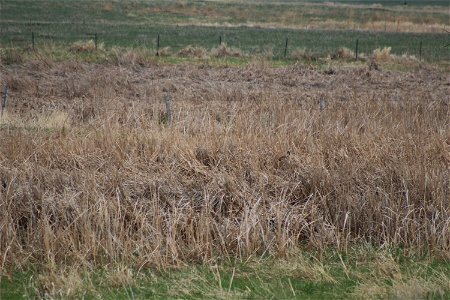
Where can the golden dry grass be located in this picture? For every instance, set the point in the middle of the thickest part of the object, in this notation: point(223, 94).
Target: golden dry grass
point(192, 51)
point(86, 46)
point(382, 55)
point(343, 53)
point(307, 15)
point(225, 51)
point(249, 164)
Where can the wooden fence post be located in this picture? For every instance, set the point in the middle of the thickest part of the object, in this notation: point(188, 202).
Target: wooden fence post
point(356, 49)
point(168, 113)
point(5, 99)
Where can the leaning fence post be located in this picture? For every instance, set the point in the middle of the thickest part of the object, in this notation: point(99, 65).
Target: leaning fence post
point(32, 40)
point(356, 49)
point(168, 114)
point(420, 51)
point(286, 47)
point(5, 98)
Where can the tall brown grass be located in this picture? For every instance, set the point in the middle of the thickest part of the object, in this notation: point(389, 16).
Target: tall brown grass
point(248, 166)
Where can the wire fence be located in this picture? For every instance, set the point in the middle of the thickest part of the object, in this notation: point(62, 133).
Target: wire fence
point(279, 43)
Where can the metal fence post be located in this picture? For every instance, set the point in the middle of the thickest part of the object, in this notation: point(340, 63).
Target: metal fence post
point(32, 41)
point(286, 47)
point(356, 49)
point(420, 51)
point(95, 40)
point(157, 45)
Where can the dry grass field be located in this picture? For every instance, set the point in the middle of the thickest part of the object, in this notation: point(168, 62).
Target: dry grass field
point(294, 164)
point(93, 172)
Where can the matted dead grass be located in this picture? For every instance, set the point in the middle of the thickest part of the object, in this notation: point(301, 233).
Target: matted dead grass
point(248, 165)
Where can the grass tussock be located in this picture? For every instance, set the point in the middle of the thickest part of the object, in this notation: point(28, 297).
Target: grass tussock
point(86, 46)
point(64, 283)
point(163, 52)
point(388, 280)
point(343, 53)
point(382, 55)
point(303, 54)
point(385, 57)
point(249, 164)
point(10, 56)
point(225, 51)
point(192, 51)
point(131, 57)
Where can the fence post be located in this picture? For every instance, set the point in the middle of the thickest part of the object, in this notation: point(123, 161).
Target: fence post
point(356, 49)
point(5, 99)
point(286, 47)
point(321, 103)
point(168, 114)
point(32, 40)
point(420, 51)
point(220, 40)
point(95, 40)
point(157, 45)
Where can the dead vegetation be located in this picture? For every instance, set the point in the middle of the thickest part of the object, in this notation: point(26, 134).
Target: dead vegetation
point(249, 165)
point(193, 51)
point(382, 55)
point(86, 46)
point(303, 54)
point(225, 51)
point(343, 53)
